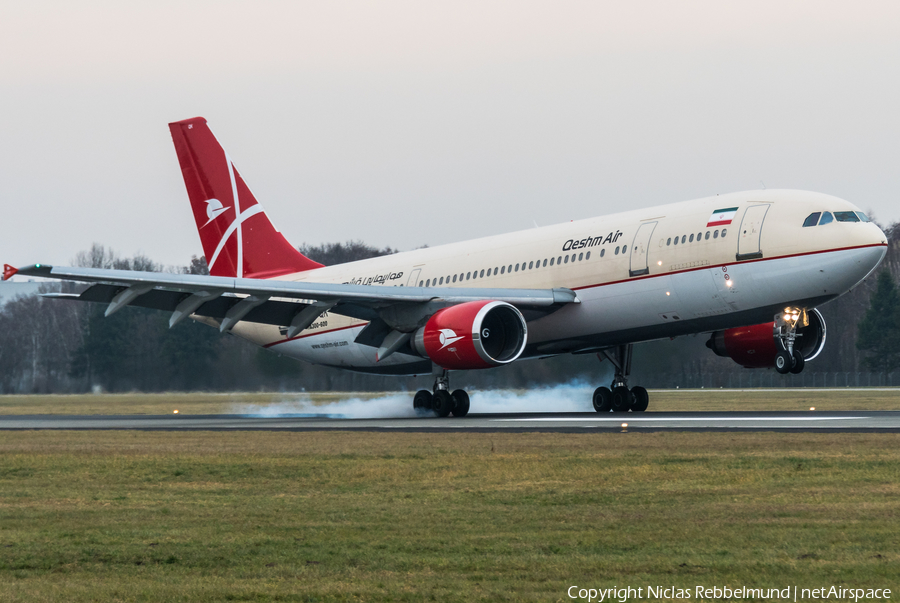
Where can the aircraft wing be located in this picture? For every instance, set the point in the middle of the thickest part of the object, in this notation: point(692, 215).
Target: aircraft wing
point(292, 304)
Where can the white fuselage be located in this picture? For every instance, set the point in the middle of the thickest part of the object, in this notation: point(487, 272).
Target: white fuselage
point(633, 281)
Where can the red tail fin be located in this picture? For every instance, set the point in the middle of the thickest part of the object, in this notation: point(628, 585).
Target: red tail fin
point(237, 236)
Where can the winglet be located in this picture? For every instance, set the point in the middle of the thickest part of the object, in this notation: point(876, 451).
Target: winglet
point(8, 272)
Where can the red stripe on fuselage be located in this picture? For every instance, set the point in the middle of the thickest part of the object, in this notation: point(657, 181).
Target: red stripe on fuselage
point(736, 262)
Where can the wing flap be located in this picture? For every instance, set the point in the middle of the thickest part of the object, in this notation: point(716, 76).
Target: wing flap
point(281, 302)
point(273, 312)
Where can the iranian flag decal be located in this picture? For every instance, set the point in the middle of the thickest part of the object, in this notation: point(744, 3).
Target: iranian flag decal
point(722, 217)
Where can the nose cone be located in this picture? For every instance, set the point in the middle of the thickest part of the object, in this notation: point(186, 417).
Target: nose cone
point(876, 237)
point(869, 241)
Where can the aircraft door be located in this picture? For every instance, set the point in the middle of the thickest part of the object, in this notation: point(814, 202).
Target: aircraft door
point(639, 249)
point(750, 231)
point(413, 280)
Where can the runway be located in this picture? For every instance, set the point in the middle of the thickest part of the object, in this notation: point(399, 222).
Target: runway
point(811, 421)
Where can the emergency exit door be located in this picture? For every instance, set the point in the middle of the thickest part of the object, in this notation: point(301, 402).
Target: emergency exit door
point(413, 278)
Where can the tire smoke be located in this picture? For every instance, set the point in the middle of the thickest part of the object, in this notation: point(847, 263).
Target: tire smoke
point(574, 396)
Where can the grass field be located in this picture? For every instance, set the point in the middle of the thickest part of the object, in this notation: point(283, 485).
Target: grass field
point(661, 401)
point(274, 516)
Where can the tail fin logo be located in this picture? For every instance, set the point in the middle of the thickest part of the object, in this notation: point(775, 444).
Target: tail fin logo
point(214, 209)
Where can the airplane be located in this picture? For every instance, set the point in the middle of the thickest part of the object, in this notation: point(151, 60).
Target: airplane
point(748, 268)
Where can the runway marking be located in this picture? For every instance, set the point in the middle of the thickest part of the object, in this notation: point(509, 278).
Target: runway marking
point(769, 390)
point(630, 419)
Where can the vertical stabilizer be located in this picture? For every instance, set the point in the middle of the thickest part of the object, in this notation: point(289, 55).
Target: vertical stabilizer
point(238, 238)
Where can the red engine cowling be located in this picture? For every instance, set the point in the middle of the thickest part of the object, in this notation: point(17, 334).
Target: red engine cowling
point(473, 335)
point(755, 346)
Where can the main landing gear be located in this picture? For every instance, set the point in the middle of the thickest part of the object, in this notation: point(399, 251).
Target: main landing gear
point(789, 359)
point(441, 401)
point(618, 397)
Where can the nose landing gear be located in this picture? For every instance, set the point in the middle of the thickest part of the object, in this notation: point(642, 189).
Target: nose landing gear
point(441, 401)
point(618, 397)
point(789, 359)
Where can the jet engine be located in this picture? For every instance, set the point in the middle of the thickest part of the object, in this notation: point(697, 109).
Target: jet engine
point(473, 335)
point(756, 346)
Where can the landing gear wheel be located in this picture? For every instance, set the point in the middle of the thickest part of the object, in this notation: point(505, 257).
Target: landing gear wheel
point(799, 362)
point(640, 399)
point(602, 399)
point(783, 362)
point(422, 400)
point(442, 403)
point(621, 399)
point(460, 403)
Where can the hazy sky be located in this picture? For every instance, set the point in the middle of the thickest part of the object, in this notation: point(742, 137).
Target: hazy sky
point(406, 123)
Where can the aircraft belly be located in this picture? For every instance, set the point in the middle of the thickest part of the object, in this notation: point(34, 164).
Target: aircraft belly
point(337, 348)
point(757, 284)
point(332, 345)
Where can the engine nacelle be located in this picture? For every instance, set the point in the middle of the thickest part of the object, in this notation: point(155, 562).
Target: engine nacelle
point(473, 335)
point(755, 346)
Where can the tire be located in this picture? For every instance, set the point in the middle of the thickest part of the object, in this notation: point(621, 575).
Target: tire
point(799, 362)
point(783, 362)
point(640, 399)
point(460, 403)
point(602, 399)
point(422, 400)
point(442, 403)
point(621, 399)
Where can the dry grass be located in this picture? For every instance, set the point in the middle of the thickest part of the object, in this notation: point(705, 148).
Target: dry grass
point(661, 401)
point(249, 516)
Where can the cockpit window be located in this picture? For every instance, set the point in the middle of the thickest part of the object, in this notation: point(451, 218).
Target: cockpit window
point(846, 216)
point(863, 217)
point(827, 218)
point(812, 219)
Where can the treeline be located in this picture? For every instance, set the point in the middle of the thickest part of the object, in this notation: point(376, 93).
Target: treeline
point(53, 346)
